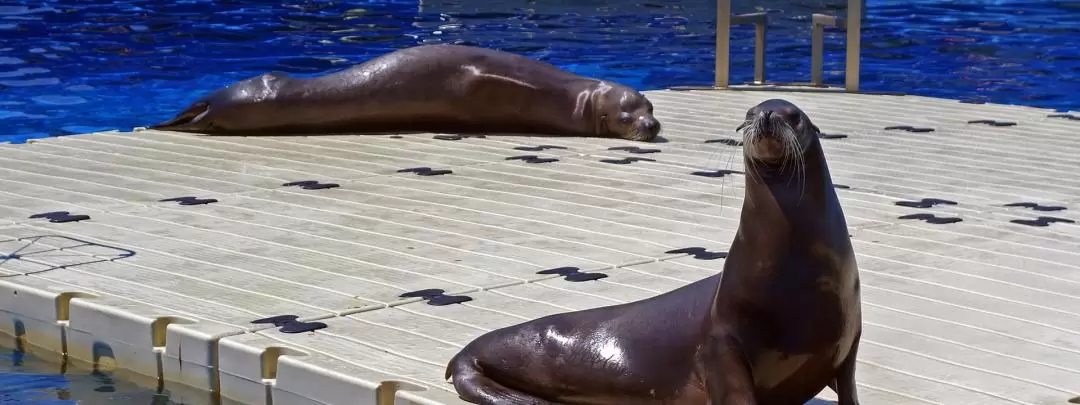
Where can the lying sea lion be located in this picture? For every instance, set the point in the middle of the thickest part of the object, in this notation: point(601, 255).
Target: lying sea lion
point(429, 88)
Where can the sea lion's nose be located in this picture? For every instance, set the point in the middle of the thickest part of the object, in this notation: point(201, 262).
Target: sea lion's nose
point(651, 124)
point(765, 124)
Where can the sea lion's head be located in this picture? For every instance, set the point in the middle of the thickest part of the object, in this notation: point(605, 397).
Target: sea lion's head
point(776, 132)
point(233, 108)
point(622, 112)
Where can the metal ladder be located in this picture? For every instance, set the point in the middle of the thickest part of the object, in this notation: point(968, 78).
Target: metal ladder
point(853, 25)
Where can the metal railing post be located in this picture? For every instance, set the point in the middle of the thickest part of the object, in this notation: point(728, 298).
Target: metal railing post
point(817, 45)
point(761, 30)
point(724, 21)
point(853, 25)
point(723, 42)
point(854, 44)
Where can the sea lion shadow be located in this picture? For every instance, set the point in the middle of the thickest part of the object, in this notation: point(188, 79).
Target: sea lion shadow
point(657, 139)
point(314, 134)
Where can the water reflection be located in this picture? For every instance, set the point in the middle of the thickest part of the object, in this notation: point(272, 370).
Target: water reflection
point(29, 380)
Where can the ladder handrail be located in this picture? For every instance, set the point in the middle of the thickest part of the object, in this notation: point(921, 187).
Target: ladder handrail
point(853, 24)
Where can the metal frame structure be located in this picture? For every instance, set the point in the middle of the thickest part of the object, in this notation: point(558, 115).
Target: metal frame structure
point(856, 10)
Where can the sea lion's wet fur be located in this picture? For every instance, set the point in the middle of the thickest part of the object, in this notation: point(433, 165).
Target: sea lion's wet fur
point(787, 316)
point(642, 352)
point(781, 322)
point(428, 88)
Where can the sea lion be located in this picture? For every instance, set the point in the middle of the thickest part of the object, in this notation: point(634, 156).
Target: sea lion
point(777, 325)
point(428, 88)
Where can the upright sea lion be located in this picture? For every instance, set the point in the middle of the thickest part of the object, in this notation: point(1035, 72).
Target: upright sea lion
point(432, 88)
point(781, 322)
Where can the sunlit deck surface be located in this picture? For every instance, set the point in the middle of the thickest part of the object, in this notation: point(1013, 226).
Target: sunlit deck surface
point(967, 248)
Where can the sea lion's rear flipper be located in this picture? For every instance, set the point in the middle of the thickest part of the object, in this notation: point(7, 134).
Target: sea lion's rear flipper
point(473, 386)
point(188, 120)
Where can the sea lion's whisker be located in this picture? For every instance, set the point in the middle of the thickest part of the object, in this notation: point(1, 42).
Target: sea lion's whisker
point(790, 142)
point(749, 146)
point(723, 180)
point(800, 166)
point(719, 155)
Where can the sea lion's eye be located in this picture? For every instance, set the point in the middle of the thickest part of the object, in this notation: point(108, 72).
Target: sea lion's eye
point(794, 121)
point(624, 117)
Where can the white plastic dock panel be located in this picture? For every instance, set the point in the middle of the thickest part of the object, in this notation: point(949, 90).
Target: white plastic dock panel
point(30, 315)
point(263, 368)
point(965, 233)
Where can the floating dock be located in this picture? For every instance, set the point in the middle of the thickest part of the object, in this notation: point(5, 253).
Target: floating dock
point(154, 252)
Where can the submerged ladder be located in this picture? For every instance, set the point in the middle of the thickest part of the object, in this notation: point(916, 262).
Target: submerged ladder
point(856, 11)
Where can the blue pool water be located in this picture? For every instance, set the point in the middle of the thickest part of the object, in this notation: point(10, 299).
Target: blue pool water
point(71, 66)
point(27, 380)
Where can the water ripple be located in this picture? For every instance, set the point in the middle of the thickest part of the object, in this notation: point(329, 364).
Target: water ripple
point(30, 82)
point(22, 72)
point(58, 100)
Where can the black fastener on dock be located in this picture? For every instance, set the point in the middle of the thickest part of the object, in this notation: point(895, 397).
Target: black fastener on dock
point(290, 324)
point(932, 219)
point(993, 123)
point(538, 148)
point(718, 173)
point(699, 253)
point(61, 216)
point(627, 160)
point(634, 149)
point(574, 274)
point(1036, 206)
point(1042, 221)
point(425, 171)
point(909, 128)
point(532, 159)
point(190, 200)
point(437, 297)
point(924, 203)
point(311, 185)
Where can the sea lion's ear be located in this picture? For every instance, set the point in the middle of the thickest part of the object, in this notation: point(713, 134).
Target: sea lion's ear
point(741, 126)
point(815, 128)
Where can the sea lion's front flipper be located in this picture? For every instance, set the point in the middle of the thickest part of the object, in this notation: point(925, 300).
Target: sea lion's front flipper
point(474, 386)
point(188, 120)
point(728, 378)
